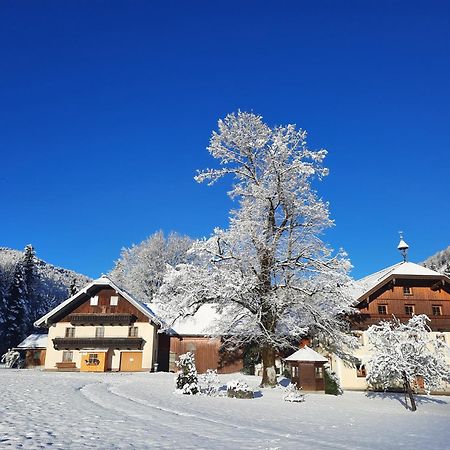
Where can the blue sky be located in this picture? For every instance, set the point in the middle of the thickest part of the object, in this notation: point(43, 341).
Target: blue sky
point(106, 109)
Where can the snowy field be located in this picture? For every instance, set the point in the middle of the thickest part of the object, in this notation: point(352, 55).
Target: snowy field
point(139, 410)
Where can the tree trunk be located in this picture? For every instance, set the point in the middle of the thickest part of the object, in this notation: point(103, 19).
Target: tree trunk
point(408, 391)
point(269, 378)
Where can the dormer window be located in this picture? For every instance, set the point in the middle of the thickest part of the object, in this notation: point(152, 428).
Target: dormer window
point(94, 300)
point(407, 290)
point(114, 301)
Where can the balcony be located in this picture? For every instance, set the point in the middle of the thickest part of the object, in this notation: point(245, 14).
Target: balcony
point(102, 319)
point(116, 343)
point(363, 321)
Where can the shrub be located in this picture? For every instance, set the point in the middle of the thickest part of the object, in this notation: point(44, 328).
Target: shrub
point(186, 378)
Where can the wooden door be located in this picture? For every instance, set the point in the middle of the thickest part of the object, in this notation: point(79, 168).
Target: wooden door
point(130, 361)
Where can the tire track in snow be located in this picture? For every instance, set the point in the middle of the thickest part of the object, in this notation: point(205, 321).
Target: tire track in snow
point(272, 437)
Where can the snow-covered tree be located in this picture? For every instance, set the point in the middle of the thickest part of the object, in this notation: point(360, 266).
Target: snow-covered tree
point(269, 275)
point(141, 268)
point(405, 354)
point(186, 378)
point(14, 311)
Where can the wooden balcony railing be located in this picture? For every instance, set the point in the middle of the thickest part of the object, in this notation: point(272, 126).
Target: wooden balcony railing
point(119, 343)
point(102, 319)
point(363, 321)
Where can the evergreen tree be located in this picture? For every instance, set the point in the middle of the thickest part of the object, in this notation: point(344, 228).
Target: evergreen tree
point(73, 289)
point(187, 379)
point(32, 298)
point(14, 311)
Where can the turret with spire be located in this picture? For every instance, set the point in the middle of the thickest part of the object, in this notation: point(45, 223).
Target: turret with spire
point(403, 247)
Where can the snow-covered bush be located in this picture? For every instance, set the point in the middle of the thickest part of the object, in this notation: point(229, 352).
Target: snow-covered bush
point(210, 380)
point(186, 378)
point(293, 394)
point(238, 389)
point(332, 383)
point(11, 359)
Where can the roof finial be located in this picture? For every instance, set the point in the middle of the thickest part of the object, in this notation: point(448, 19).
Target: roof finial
point(403, 247)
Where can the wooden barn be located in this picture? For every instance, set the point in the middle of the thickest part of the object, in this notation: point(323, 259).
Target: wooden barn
point(307, 369)
point(192, 335)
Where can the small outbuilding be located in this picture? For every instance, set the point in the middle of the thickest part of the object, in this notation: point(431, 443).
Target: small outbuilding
point(307, 371)
point(33, 349)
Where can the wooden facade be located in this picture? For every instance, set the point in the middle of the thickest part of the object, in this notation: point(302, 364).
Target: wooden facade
point(104, 308)
point(208, 354)
point(35, 357)
point(403, 298)
point(307, 375)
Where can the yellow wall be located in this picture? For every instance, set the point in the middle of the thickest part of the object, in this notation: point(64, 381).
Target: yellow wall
point(146, 330)
point(348, 375)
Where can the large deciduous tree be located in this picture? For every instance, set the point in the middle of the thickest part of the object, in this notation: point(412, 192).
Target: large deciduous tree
point(141, 268)
point(269, 275)
point(404, 353)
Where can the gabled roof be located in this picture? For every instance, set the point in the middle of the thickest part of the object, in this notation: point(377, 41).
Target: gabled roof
point(200, 324)
point(34, 341)
point(406, 270)
point(306, 354)
point(103, 281)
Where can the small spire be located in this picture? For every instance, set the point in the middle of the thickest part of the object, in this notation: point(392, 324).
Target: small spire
point(403, 247)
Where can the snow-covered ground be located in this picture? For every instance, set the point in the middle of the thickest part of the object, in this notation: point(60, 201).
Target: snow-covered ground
point(139, 410)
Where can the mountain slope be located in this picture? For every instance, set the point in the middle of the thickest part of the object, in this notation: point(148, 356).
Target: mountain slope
point(440, 261)
point(29, 288)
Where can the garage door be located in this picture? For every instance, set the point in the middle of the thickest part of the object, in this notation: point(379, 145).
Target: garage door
point(130, 361)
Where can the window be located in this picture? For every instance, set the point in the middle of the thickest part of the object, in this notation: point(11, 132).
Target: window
point(409, 310)
point(407, 290)
point(70, 332)
point(132, 331)
point(93, 359)
point(437, 310)
point(360, 370)
point(382, 309)
point(100, 332)
point(319, 372)
point(37, 355)
point(114, 300)
point(67, 356)
point(94, 300)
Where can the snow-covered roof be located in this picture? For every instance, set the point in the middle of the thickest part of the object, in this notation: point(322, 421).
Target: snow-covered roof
point(34, 341)
point(306, 354)
point(363, 286)
point(102, 281)
point(200, 324)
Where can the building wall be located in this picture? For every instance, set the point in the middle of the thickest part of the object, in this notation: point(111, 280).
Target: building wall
point(348, 375)
point(208, 354)
point(146, 330)
point(424, 295)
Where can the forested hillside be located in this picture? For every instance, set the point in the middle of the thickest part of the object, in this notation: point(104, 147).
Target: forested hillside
point(29, 287)
point(440, 261)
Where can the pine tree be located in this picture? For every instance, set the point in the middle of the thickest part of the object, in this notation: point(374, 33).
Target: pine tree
point(73, 289)
point(14, 311)
point(187, 379)
point(32, 298)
